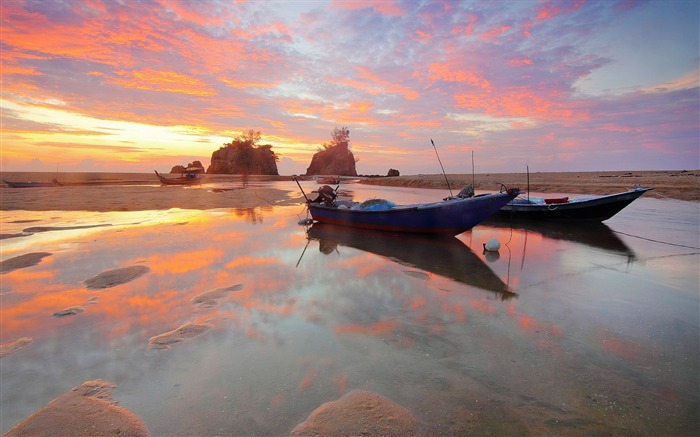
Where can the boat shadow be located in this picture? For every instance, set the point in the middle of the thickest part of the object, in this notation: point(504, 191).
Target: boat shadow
point(593, 234)
point(442, 255)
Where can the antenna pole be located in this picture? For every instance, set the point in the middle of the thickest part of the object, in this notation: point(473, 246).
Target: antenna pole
point(443, 168)
point(473, 184)
point(528, 182)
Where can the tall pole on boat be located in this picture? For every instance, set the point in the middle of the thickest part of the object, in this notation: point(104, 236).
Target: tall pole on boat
point(443, 168)
point(528, 183)
point(473, 186)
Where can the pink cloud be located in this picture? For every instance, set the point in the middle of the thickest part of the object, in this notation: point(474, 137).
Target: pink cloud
point(387, 7)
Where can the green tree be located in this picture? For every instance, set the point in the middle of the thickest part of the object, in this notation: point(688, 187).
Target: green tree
point(340, 135)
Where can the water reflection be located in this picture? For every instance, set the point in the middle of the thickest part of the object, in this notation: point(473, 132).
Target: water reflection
point(595, 234)
point(593, 343)
point(444, 256)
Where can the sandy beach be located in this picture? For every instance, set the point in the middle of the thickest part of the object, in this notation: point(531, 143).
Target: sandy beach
point(136, 192)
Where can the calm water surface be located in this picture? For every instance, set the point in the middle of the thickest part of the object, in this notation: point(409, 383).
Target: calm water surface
point(564, 331)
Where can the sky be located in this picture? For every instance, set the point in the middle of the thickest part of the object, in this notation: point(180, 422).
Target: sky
point(137, 86)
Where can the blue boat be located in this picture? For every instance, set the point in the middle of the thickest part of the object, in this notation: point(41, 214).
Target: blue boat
point(453, 215)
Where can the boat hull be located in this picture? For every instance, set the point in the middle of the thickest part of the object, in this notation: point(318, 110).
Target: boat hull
point(593, 209)
point(452, 216)
point(31, 184)
point(184, 180)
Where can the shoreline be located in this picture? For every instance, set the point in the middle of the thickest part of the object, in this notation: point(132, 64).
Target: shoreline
point(103, 192)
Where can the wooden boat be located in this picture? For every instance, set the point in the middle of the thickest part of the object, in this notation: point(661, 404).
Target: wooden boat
point(448, 257)
point(188, 177)
point(450, 216)
point(52, 183)
point(598, 208)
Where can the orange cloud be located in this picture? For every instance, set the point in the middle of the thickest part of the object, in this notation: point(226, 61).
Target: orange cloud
point(440, 71)
point(153, 80)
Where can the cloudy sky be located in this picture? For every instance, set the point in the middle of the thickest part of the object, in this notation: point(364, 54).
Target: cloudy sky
point(132, 86)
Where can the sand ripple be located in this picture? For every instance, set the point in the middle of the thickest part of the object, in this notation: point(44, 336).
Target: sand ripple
point(85, 410)
point(358, 413)
point(112, 278)
point(22, 261)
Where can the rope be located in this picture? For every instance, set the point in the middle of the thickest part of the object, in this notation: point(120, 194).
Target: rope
point(657, 241)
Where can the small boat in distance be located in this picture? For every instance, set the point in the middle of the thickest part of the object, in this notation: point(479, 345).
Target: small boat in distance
point(190, 176)
point(598, 208)
point(52, 183)
point(453, 215)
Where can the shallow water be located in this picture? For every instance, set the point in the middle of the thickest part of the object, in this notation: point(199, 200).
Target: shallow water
point(564, 331)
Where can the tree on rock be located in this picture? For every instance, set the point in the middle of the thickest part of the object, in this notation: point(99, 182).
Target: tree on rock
point(243, 155)
point(334, 158)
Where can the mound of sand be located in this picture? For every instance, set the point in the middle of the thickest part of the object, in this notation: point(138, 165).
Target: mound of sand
point(85, 410)
point(112, 278)
point(188, 330)
point(13, 346)
point(22, 261)
point(358, 413)
point(211, 298)
point(69, 311)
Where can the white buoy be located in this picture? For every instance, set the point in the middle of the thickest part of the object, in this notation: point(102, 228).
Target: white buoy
point(492, 245)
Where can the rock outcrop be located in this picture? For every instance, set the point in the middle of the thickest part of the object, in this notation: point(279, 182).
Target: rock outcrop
point(336, 160)
point(241, 158)
point(393, 173)
point(189, 167)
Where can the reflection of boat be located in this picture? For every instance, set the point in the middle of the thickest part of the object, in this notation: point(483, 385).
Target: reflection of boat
point(447, 256)
point(189, 177)
point(451, 216)
point(597, 235)
point(597, 208)
point(53, 183)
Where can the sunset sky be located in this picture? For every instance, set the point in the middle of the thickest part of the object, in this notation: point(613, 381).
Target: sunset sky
point(133, 86)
